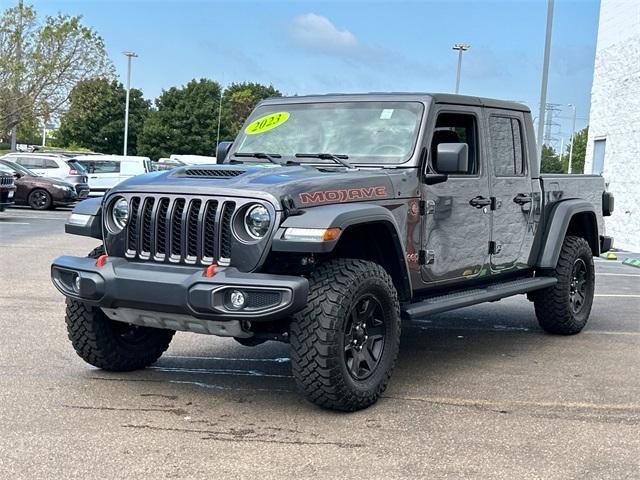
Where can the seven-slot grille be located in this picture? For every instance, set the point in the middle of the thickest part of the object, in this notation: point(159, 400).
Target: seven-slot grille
point(179, 230)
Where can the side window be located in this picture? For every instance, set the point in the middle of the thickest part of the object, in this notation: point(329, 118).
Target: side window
point(105, 166)
point(50, 164)
point(506, 146)
point(30, 162)
point(456, 128)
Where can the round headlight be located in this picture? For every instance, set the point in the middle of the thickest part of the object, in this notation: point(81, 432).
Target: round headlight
point(120, 213)
point(257, 221)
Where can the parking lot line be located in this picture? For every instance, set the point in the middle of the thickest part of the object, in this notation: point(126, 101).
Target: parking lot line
point(630, 295)
point(619, 274)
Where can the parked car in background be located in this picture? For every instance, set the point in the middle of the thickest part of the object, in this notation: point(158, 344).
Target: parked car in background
point(192, 159)
point(42, 193)
point(7, 190)
point(162, 166)
point(106, 171)
point(51, 166)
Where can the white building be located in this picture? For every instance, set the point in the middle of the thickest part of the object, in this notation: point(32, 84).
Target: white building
point(613, 147)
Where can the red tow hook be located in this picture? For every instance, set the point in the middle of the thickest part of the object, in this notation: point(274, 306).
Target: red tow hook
point(210, 271)
point(102, 259)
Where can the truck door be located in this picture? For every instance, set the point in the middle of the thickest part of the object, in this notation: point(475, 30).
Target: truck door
point(456, 221)
point(512, 229)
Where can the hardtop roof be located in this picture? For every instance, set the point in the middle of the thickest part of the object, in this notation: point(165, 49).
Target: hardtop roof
point(445, 98)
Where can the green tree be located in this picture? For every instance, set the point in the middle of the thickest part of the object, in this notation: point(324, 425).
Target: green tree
point(40, 62)
point(579, 151)
point(238, 101)
point(95, 118)
point(185, 121)
point(550, 161)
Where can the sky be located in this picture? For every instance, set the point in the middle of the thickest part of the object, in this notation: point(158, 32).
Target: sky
point(304, 47)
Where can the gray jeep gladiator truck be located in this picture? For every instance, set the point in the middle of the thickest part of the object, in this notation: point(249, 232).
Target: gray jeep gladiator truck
point(328, 221)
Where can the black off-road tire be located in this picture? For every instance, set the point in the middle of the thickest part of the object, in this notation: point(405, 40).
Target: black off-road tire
point(318, 334)
point(556, 311)
point(111, 345)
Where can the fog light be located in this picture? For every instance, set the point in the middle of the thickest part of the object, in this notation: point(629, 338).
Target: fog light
point(77, 283)
point(237, 299)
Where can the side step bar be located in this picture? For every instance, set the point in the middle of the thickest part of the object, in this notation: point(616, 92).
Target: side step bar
point(473, 296)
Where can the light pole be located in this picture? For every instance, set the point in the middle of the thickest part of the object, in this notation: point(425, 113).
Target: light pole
point(461, 47)
point(573, 136)
point(545, 77)
point(129, 56)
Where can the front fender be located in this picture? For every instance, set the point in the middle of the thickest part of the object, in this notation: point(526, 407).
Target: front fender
point(86, 219)
point(556, 229)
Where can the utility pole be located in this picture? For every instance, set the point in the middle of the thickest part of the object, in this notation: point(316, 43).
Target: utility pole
point(129, 56)
point(573, 136)
point(545, 76)
point(16, 80)
point(550, 129)
point(461, 47)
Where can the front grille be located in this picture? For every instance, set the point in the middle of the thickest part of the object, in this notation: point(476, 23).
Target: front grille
point(179, 230)
point(6, 180)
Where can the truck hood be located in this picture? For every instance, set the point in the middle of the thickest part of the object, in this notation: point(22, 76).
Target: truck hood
point(303, 185)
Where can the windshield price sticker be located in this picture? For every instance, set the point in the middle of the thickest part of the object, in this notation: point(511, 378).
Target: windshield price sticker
point(266, 123)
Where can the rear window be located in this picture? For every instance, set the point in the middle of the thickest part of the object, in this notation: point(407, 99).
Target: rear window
point(100, 166)
point(77, 166)
point(506, 146)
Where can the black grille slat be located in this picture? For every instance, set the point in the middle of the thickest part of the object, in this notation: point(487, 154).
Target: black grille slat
point(176, 228)
point(161, 228)
point(192, 230)
point(132, 229)
point(225, 233)
point(147, 228)
point(209, 244)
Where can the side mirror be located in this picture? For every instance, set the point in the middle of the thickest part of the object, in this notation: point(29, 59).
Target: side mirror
point(222, 151)
point(452, 158)
point(17, 175)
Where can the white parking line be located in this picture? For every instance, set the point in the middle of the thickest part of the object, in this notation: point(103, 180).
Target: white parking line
point(616, 295)
point(619, 274)
point(14, 223)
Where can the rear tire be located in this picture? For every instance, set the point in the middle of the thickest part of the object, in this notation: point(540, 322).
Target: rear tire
point(111, 345)
point(345, 342)
point(564, 308)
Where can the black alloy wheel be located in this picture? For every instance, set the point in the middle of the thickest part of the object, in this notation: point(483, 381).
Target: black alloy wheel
point(364, 337)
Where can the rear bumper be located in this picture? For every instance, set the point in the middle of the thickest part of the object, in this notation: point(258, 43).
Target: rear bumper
point(178, 290)
point(606, 243)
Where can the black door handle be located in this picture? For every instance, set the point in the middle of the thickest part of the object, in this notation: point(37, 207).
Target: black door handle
point(522, 198)
point(480, 202)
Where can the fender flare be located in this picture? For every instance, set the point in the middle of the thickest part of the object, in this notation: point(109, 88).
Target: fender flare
point(342, 216)
point(91, 208)
point(556, 228)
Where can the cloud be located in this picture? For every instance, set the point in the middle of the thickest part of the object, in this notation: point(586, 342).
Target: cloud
point(318, 34)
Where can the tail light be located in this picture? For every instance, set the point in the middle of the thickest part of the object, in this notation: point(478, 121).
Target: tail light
point(74, 172)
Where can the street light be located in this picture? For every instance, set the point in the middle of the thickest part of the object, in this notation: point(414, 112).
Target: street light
point(461, 47)
point(573, 136)
point(545, 76)
point(129, 56)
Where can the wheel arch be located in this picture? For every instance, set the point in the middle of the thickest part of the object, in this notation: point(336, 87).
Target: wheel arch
point(368, 232)
point(569, 217)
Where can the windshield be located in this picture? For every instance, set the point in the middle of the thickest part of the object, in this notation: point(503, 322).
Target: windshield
point(367, 132)
point(8, 166)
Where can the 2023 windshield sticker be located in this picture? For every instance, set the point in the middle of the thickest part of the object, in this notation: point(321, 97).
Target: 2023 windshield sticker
point(266, 123)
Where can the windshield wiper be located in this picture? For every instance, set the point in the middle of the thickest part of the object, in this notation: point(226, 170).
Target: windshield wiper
point(267, 156)
point(341, 159)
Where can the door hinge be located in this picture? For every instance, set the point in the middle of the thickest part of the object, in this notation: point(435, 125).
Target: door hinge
point(494, 203)
point(494, 247)
point(422, 207)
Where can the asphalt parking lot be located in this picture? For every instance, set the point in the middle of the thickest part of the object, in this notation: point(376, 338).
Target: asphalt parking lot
point(477, 393)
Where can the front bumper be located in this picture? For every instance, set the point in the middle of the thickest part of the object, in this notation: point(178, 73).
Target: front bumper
point(7, 197)
point(178, 290)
